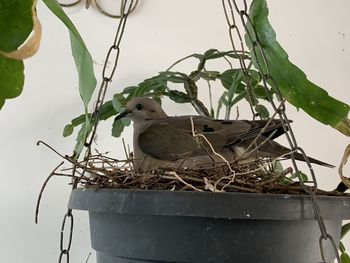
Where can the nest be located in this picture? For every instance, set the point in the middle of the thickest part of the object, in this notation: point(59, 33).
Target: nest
point(101, 171)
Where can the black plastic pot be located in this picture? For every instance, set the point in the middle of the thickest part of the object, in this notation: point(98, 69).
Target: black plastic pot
point(165, 226)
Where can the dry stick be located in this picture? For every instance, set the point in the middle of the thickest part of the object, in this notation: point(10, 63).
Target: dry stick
point(211, 146)
point(173, 173)
point(263, 129)
point(190, 178)
point(261, 167)
point(61, 155)
point(88, 257)
point(42, 190)
point(127, 154)
point(275, 178)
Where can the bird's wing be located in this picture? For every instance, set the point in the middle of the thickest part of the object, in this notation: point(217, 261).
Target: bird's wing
point(172, 138)
point(266, 128)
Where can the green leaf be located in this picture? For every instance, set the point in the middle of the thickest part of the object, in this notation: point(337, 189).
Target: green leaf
point(209, 53)
point(178, 96)
point(209, 75)
point(301, 176)
point(82, 57)
point(176, 79)
point(78, 120)
point(157, 84)
point(344, 230)
point(239, 97)
point(107, 110)
point(230, 77)
point(341, 247)
point(82, 135)
point(118, 126)
point(277, 167)
point(16, 23)
point(262, 111)
point(344, 258)
point(11, 78)
point(255, 77)
point(130, 89)
point(292, 81)
point(118, 102)
point(260, 92)
point(68, 130)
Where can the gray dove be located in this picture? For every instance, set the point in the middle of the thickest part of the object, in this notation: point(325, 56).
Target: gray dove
point(160, 140)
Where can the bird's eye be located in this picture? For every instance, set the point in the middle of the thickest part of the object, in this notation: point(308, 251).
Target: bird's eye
point(139, 107)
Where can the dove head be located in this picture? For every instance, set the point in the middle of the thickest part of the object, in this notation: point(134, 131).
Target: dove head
point(142, 109)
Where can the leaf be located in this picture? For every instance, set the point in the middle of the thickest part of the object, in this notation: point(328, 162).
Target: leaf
point(229, 77)
point(30, 45)
point(118, 126)
point(16, 23)
point(343, 162)
point(107, 110)
point(68, 130)
point(157, 84)
point(292, 81)
point(344, 230)
point(130, 89)
point(344, 258)
point(82, 135)
point(218, 54)
point(262, 111)
point(255, 77)
point(176, 79)
point(178, 96)
point(11, 78)
point(260, 92)
point(82, 57)
point(278, 167)
point(209, 75)
point(341, 247)
point(209, 53)
point(301, 176)
point(118, 102)
point(239, 97)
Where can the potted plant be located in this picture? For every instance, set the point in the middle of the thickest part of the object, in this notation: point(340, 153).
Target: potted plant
point(197, 224)
point(148, 225)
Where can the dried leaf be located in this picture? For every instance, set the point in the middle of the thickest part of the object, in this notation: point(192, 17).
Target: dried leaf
point(344, 160)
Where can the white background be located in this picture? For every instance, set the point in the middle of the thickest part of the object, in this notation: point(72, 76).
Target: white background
point(316, 35)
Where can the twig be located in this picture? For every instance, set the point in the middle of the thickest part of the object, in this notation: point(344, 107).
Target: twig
point(88, 257)
point(194, 134)
point(51, 148)
point(173, 173)
point(42, 190)
point(263, 129)
point(275, 178)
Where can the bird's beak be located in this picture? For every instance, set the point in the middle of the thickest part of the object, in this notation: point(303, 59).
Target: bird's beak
point(121, 115)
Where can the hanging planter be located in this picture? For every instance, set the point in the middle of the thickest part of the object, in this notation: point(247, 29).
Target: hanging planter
point(183, 226)
point(171, 226)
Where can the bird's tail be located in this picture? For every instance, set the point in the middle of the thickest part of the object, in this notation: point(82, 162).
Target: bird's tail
point(300, 157)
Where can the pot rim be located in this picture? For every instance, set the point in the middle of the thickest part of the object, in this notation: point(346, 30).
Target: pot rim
point(232, 205)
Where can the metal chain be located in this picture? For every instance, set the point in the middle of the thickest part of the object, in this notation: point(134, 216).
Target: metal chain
point(107, 75)
point(231, 9)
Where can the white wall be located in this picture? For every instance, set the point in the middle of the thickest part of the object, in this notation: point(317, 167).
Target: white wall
point(315, 33)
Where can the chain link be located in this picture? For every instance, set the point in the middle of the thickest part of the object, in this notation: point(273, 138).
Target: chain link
point(114, 50)
point(231, 9)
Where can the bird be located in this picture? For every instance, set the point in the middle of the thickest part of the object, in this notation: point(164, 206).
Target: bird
point(160, 140)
